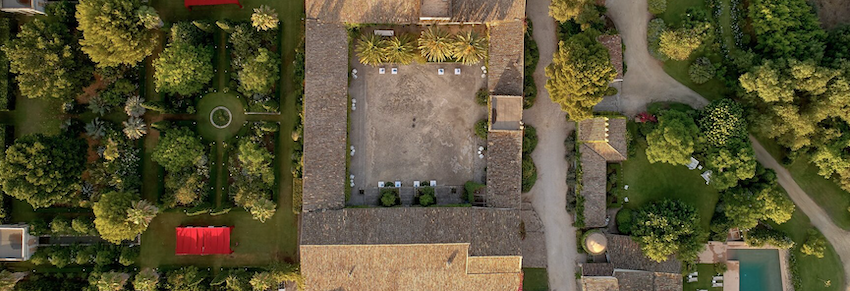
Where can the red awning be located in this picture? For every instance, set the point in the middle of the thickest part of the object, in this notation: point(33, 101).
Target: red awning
point(203, 240)
point(189, 3)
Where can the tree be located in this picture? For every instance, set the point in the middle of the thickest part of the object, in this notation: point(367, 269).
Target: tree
point(256, 161)
point(47, 61)
point(701, 70)
point(112, 281)
point(43, 170)
point(469, 48)
point(264, 18)
point(146, 280)
point(83, 225)
point(786, 29)
point(745, 207)
point(566, 10)
point(667, 227)
point(188, 33)
point(680, 43)
point(653, 38)
point(134, 128)
point(186, 279)
point(815, 244)
point(149, 18)
point(399, 50)
point(112, 32)
point(674, 140)
point(183, 69)
point(177, 149)
point(435, 45)
point(260, 72)
point(761, 236)
point(371, 50)
point(141, 213)
point(110, 214)
point(134, 107)
point(263, 209)
point(722, 121)
point(579, 75)
point(731, 164)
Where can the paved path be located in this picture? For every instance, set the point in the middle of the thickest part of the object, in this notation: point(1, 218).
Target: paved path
point(549, 195)
point(645, 80)
point(839, 238)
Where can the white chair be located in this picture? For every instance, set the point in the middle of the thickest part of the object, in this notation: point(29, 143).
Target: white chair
point(441, 71)
point(382, 71)
point(380, 184)
point(415, 184)
point(394, 71)
point(398, 184)
point(457, 71)
point(433, 183)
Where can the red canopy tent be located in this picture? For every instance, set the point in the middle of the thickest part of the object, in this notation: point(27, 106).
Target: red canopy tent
point(189, 3)
point(203, 240)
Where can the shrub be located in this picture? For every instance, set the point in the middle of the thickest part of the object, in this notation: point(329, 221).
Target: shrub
point(529, 173)
point(85, 255)
point(128, 255)
point(815, 244)
point(469, 188)
point(60, 257)
point(481, 129)
point(529, 139)
point(701, 70)
point(427, 196)
point(720, 268)
point(61, 225)
point(653, 38)
point(482, 97)
point(761, 236)
point(297, 192)
point(105, 256)
point(624, 221)
point(40, 256)
point(389, 197)
point(657, 6)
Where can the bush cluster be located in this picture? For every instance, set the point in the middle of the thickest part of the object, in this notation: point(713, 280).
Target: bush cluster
point(532, 57)
point(657, 6)
point(426, 196)
point(256, 65)
point(761, 236)
point(701, 70)
point(252, 171)
point(390, 197)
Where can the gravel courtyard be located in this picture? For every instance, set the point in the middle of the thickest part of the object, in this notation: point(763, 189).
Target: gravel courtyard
point(416, 125)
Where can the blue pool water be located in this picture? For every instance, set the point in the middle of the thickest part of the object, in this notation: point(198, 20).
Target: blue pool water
point(759, 269)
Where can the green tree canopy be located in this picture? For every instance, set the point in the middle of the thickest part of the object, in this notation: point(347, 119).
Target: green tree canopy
point(745, 207)
point(579, 75)
point(113, 33)
point(110, 214)
point(674, 140)
point(787, 29)
point(668, 227)
point(177, 149)
point(187, 279)
point(47, 61)
point(815, 244)
point(722, 121)
point(183, 68)
point(731, 164)
point(43, 170)
point(260, 73)
point(264, 18)
point(256, 161)
point(146, 280)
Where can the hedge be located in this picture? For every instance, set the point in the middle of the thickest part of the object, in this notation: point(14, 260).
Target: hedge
point(297, 193)
point(4, 65)
point(761, 236)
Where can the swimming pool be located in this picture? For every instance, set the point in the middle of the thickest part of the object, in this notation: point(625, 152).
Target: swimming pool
point(759, 269)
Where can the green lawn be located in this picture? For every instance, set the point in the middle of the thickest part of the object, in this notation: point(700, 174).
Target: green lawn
point(706, 272)
point(811, 269)
point(652, 182)
point(535, 279)
point(715, 88)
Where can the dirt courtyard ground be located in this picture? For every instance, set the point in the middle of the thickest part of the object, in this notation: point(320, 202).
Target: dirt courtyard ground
point(416, 125)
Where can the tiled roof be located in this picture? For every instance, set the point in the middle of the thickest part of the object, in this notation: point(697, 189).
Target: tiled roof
point(325, 108)
point(406, 267)
point(506, 58)
point(648, 281)
point(597, 269)
point(615, 50)
point(504, 169)
point(594, 181)
point(624, 253)
point(534, 243)
point(490, 232)
point(488, 10)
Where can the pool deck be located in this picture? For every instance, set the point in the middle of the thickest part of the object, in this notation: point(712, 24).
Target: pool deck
point(716, 252)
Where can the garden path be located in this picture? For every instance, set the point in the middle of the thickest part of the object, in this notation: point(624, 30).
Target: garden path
point(548, 196)
point(645, 80)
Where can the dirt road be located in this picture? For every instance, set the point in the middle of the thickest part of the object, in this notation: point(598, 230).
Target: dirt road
point(549, 193)
point(839, 238)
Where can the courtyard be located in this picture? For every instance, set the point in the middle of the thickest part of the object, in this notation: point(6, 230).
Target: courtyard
point(415, 125)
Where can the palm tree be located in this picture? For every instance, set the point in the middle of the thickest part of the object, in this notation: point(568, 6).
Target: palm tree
point(400, 50)
point(371, 50)
point(135, 128)
point(112, 281)
point(141, 213)
point(435, 45)
point(95, 129)
point(264, 18)
point(469, 48)
point(133, 107)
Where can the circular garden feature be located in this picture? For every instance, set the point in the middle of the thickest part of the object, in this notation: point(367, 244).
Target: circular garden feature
point(594, 242)
point(220, 117)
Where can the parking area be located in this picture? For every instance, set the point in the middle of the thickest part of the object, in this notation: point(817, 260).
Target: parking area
point(415, 125)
